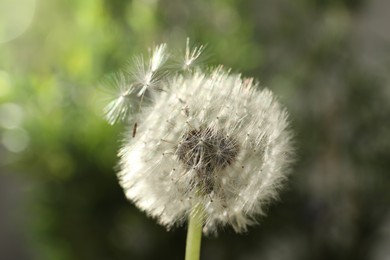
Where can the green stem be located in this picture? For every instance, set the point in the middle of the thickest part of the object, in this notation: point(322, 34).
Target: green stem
point(194, 235)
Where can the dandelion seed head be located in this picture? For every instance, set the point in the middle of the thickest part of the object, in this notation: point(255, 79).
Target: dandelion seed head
point(211, 138)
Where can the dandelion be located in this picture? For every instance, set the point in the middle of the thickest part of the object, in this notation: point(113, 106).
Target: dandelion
point(211, 148)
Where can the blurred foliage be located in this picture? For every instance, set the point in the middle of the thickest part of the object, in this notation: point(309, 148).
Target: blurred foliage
point(308, 52)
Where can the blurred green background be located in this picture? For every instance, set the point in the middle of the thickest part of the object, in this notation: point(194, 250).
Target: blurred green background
point(327, 60)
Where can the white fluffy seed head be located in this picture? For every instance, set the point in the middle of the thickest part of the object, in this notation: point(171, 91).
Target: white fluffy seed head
point(209, 138)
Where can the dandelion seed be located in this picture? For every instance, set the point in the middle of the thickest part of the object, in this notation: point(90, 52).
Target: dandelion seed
point(158, 58)
point(120, 99)
point(191, 56)
point(148, 74)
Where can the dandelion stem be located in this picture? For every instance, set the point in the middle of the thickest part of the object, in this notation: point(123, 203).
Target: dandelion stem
point(194, 235)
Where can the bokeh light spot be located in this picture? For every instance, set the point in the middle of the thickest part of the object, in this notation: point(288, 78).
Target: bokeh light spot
point(11, 115)
point(15, 17)
point(15, 140)
point(5, 83)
